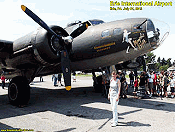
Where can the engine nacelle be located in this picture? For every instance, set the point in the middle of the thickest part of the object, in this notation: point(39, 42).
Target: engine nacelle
point(46, 47)
point(6, 48)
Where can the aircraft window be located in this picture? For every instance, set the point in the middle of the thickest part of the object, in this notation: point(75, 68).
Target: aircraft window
point(117, 31)
point(137, 29)
point(96, 22)
point(150, 26)
point(150, 29)
point(105, 33)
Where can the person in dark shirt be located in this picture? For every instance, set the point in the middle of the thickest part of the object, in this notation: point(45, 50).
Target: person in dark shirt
point(131, 77)
point(165, 85)
point(142, 84)
point(142, 80)
point(59, 79)
point(122, 91)
point(146, 83)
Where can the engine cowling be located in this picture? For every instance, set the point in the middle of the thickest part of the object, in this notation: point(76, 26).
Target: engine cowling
point(6, 48)
point(46, 47)
point(49, 46)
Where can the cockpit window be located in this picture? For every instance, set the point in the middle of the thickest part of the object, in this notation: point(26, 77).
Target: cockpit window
point(137, 27)
point(150, 29)
point(150, 25)
point(96, 22)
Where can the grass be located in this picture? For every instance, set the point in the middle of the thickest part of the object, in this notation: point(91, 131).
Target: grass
point(83, 75)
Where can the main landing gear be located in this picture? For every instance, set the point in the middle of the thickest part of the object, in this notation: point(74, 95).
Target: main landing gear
point(19, 91)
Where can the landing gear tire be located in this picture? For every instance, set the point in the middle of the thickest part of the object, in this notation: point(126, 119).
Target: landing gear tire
point(19, 91)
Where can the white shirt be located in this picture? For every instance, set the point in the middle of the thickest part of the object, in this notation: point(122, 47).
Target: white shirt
point(172, 83)
point(114, 84)
point(151, 77)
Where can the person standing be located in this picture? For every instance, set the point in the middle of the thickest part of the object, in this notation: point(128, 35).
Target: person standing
point(59, 79)
point(125, 90)
point(161, 83)
point(74, 76)
point(114, 93)
point(131, 77)
point(154, 84)
point(172, 86)
point(142, 84)
point(41, 79)
point(158, 88)
point(122, 90)
point(146, 83)
point(136, 84)
point(55, 78)
point(165, 84)
point(150, 83)
point(3, 80)
point(142, 80)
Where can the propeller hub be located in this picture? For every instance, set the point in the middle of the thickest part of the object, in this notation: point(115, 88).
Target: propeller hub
point(67, 39)
point(55, 43)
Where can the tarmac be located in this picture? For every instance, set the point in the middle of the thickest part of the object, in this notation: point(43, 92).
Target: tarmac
point(53, 109)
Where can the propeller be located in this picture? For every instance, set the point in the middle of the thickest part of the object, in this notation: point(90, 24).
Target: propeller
point(65, 60)
point(65, 66)
point(38, 20)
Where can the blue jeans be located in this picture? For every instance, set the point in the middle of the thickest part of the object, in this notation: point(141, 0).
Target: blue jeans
point(55, 81)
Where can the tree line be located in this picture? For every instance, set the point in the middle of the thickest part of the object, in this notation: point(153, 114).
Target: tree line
point(159, 64)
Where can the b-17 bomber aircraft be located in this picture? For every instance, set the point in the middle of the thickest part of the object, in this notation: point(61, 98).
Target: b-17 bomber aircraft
point(80, 46)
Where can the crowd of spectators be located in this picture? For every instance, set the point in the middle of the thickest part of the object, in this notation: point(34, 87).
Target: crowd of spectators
point(155, 84)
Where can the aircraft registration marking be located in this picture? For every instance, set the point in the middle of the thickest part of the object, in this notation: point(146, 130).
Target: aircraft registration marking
point(104, 47)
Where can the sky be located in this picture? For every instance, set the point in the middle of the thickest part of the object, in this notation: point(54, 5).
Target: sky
point(14, 23)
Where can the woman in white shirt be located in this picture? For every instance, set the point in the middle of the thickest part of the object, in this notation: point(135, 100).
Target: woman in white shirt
point(114, 93)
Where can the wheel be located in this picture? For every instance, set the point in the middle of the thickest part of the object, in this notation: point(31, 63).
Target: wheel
point(19, 91)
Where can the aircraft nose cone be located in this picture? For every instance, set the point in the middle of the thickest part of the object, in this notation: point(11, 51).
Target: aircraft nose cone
point(157, 32)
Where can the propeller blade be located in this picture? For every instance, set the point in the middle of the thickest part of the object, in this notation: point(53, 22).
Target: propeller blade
point(65, 65)
point(65, 61)
point(79, 30)
point(38, 20)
